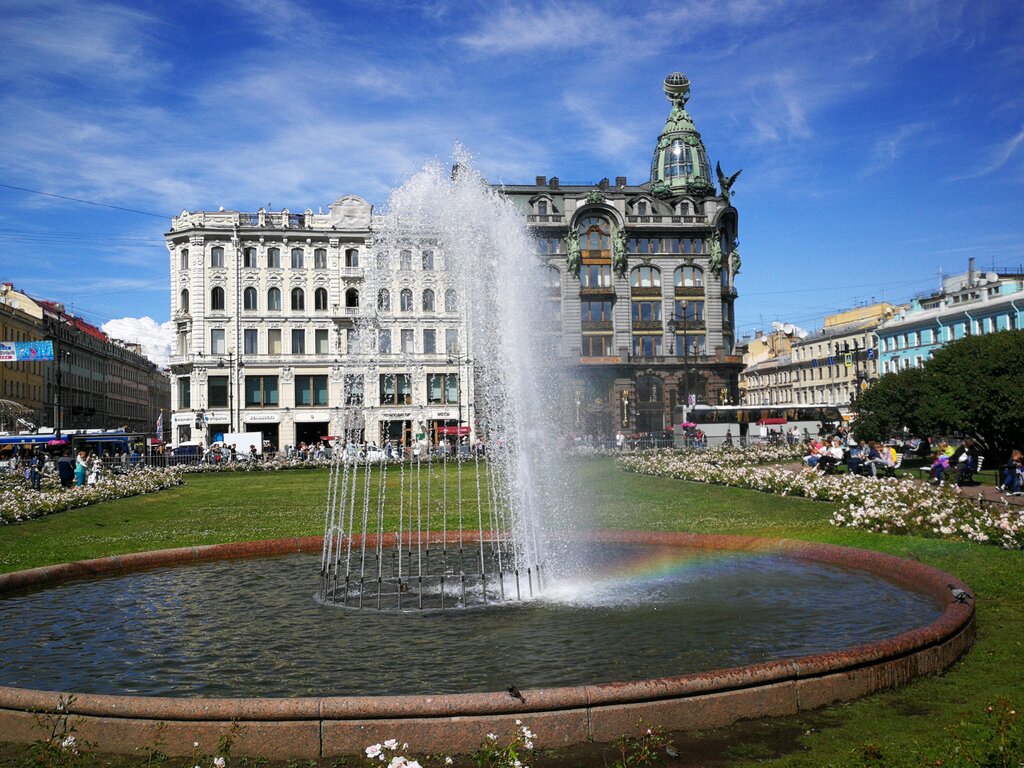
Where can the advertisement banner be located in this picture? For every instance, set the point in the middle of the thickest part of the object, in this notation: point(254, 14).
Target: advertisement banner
point(25, 351)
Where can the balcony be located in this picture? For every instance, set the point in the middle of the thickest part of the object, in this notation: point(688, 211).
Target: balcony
point(545, 218)
point(666, 220)
point(352, 272)
point(597, 325)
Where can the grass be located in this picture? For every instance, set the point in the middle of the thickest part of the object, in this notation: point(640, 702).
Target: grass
point(942, 718)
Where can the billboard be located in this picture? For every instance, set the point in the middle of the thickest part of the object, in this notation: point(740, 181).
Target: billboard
point(25, 351)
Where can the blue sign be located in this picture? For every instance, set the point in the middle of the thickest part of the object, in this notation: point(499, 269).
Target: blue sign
point(25, 351)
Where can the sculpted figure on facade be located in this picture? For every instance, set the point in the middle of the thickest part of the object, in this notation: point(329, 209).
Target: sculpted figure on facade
point(734, 258)
point(726, 182)
point(572, 248)
point(715, 254)
point(619, 257)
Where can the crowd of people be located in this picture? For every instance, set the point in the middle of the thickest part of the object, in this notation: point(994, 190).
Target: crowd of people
point(82, 468)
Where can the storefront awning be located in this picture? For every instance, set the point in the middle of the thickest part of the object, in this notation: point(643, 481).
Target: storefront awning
point(771, 422)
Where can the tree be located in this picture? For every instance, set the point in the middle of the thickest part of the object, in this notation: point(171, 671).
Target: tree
point(976, 386)
point(891, 404)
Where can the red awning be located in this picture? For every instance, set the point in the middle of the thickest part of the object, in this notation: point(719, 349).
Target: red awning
point(460, 431)
point(772, 422)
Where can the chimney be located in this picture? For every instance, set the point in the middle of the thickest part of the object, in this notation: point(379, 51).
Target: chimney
point(970, 272)
point(620, 181)
point(603, 184)
point(554, 182)
point(541, 181)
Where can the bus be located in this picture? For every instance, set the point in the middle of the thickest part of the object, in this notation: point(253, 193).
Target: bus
point(745, 423)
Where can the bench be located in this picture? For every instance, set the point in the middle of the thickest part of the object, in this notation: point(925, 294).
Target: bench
point(865, 468)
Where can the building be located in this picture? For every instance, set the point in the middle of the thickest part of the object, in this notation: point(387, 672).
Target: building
point(970, 303)
point(93, 382)
point(293, 325)
point(765, 378)
point(22, 382)
point(642, 281)
point(268, 308)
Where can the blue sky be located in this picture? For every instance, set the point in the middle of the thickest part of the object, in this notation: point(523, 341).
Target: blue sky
point(879, 142)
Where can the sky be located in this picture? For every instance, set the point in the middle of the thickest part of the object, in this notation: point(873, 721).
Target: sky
point(881, 143)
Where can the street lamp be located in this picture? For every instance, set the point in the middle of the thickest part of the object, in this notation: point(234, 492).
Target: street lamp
point(686, 356)
point(456, 358)
point(231, 388)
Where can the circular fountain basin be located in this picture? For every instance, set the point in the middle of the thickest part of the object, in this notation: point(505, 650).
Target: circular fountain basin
point(681, 630)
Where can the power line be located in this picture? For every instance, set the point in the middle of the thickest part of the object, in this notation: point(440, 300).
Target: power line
point(87, 202)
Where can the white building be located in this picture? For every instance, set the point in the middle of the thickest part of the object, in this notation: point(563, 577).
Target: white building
point(294, 326)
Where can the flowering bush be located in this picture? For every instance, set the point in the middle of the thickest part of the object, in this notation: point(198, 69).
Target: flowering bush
point(888, 505)
point(271, 465)
point(19, 503)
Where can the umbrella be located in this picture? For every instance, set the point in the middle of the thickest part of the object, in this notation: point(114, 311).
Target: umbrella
point(56, 442)
point(688, 425)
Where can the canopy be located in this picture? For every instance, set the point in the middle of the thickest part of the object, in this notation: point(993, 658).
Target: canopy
point(772, 422)
point(25, 439)
point(688, 425)
point(460, 431)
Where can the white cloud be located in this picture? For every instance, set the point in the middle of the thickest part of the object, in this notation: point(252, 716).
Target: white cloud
point(155, 338)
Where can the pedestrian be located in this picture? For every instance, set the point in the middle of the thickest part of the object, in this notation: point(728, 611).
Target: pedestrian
point(65, 469)
point(81, 469)
point(36, 464)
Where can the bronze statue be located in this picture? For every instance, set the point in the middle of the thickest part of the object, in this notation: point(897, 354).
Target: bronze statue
point(619, 257)
point(726, 182)
point(572, 259)
point(715, 254)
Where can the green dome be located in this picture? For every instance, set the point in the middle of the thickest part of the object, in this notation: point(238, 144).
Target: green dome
point(680, 163)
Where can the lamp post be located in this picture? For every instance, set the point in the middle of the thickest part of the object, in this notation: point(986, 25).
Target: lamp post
point(456, 358)
point(686, 359)
point(231, 387)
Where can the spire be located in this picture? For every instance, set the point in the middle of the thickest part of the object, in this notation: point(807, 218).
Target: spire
point(680, 163)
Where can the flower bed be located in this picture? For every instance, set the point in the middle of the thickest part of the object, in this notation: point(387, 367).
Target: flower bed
point(882, 505)
point(19, 502)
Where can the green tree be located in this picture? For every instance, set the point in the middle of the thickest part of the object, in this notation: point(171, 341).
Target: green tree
point(891, 404)
point(976, 386)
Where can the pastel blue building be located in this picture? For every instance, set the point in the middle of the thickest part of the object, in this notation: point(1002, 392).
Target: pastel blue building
point(972, 303)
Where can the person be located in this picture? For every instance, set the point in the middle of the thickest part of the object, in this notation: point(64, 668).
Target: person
point(95, 470)
point(858, 455)
point(36, 464)
point(81, 469)
point(831, 457)
point(879, 456)
point(65, 470)
point(1011, 481)
point(939, 466)
point(728, 438)
point(965, 458)
point(252, 453)
point(620, 441)
point(817, 448)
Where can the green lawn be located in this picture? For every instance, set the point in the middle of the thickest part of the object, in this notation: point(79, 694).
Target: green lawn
point(922, 723)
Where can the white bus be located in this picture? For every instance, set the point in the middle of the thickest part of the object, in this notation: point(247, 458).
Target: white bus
point(745, 422)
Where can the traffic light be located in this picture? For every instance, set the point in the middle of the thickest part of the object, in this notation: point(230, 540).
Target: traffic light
point(199, 419)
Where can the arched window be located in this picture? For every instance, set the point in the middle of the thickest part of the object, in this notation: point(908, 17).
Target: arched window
point(650, 389)
point(217, 299)
point(298, 299)
point(249, 299)
point(320, 299)
point(298, 258)
point(689, 277)
point(274, 299)
point(183, 300)
point(352, 257)
point(678, 160)
point(405, 259)
point(451, 300)
point(405, 300)
point(273, 258)
point(595, 234)
point(645, 277)
point(384, 300)
point(351, 298)
point(428, 300)
point(217, 256)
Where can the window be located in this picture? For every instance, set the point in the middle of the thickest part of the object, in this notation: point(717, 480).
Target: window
point(320, 258)
point(183, 300)
point(451, 300)
point(352, 257)
point(321, 345)
point(693, 311)
point(552, 278)
point(542, 207)
point(428, 261)
point(384, 300)
point(405, 259)
point(596, 276)
point(650, 389)
point(250, 341)
point(274, 299)
point(595, 234)
point(442, 388)
point(249, 300)
point(646, 311)
point(353, 389)
point(596, 311)
point(298, 258)
point(396, 389)
point(429, 341)
point(352, 341)
point(678, 160)
point(274, 341)
point(217, 299)
point(451, 340)
point(694, 345)
point(260, 391)
point(383, 261)
point(548, 245)
point(384, 341)
point(298, 299)
point(407, 341)
point(641, 208)
point(428, 300)
point(646, 345)
point(184, 392)
point(310, 391)
point(217, 342)
point(597, 346)
point(645, 277)
point(217, 392)
point(405, 300)
point(183, 258)
point(351, 298)
point(217, 256)
point(320, 299)
point(298, 341)
point(274, 258)
point(249, 258)
point(689, 277)
point(644, 245)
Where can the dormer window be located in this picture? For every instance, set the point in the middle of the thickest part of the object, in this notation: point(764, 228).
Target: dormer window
point(542, 207)
point(641, 208)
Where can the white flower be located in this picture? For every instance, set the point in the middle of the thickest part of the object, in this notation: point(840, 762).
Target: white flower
point(68, 743)
point(448, 761)
point(373, 751)
point(391, 744)
point(492, 737)
point(219, 762)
